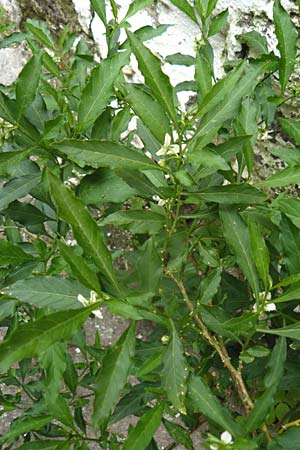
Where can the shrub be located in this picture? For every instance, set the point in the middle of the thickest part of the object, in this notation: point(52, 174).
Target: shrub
point(213, 255)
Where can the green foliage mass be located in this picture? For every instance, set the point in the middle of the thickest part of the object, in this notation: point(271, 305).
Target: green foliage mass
point(214, 258)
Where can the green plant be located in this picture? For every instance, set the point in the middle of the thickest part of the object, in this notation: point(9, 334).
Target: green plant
point(214, 259)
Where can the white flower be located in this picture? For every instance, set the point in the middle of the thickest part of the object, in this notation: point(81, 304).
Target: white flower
point(270, 307)
point(297, 309)
point(168, 148)
point(213, 447)
point(82, 300)
point(86, 302)
point(226, 437)
point(159, 200)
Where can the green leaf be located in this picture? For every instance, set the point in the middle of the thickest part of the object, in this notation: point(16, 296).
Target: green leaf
point(291, 208)
point(180, 60)
point(55, 293)
point(202, 400)
point(246, 123)
point(139, 182)
point(79, 267)
point(25, 214)
point(208, 158)
point(99, 89)
point(275, 366)
point(293, 293)
point(135, 6)
point(261, 409)
point(179, 434)
point(31, 339)
point(155, 78)
point(216, 94)
point(237, 236)
point(291, 127)
point(138, 221)
point(10, 161)
point(185, 7)
point(260, 253)
point(23, 426)
point(174, 372)
point(27, 83)
point(254, 40)
point(97, 154)
point(104, 186)
point(209, 286)
point(149, 110)
point(140, 436)
point(99, 8)
point(286, 177)
point(289, 440)
point(113, 376)
point(17, 188)
point(218, 23)
point(291, 331)
point(12, 254)
point(53, 361)
point(203, 73)
point(228, 106)
point(287, 42)
point(149, 266)
point(229, 194)
point(86, 231)
point(14, 38)
point(41, 32)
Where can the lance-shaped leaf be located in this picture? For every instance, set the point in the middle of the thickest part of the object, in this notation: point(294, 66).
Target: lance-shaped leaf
point(79, 267)
point(17, 188)
point(287, 42)
point(140, 436)
point(185, 7)
point(291, 331)
point(179, 434)
point(12, 254)
point(275, 366)
point(97, 154)
point(218, 22)
point(229, 194)
point(138, 221)
point(292, 127)
point(31, 339)
point(53, 361)
point(27, 83)
point(100, 9)
point(175, 371)
point(254, 40)
point(237, 235)
point(149, 110)
point(86, 231)
point(260, 253)
point(9, 161)
point(203, 73)
point(286, 177)
point(135, 6)
point(261, 409)
point(55, 293)
point(113, 376)
point(227, 108)
point(23, 426)
point(202, 400)
point(219, 90)
point(99, 89)
point(155, 78)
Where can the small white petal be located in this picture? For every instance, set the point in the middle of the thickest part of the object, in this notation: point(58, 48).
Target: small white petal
point(156, 198)
point(167, 140)
point(226, 437)
point(148, 154)
point(161, 202)
point(82, 299)
point(162, 151)
point(77, 350)
point(98, 314)
point(173, 150)
point(297, 309)
point(270, 307)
